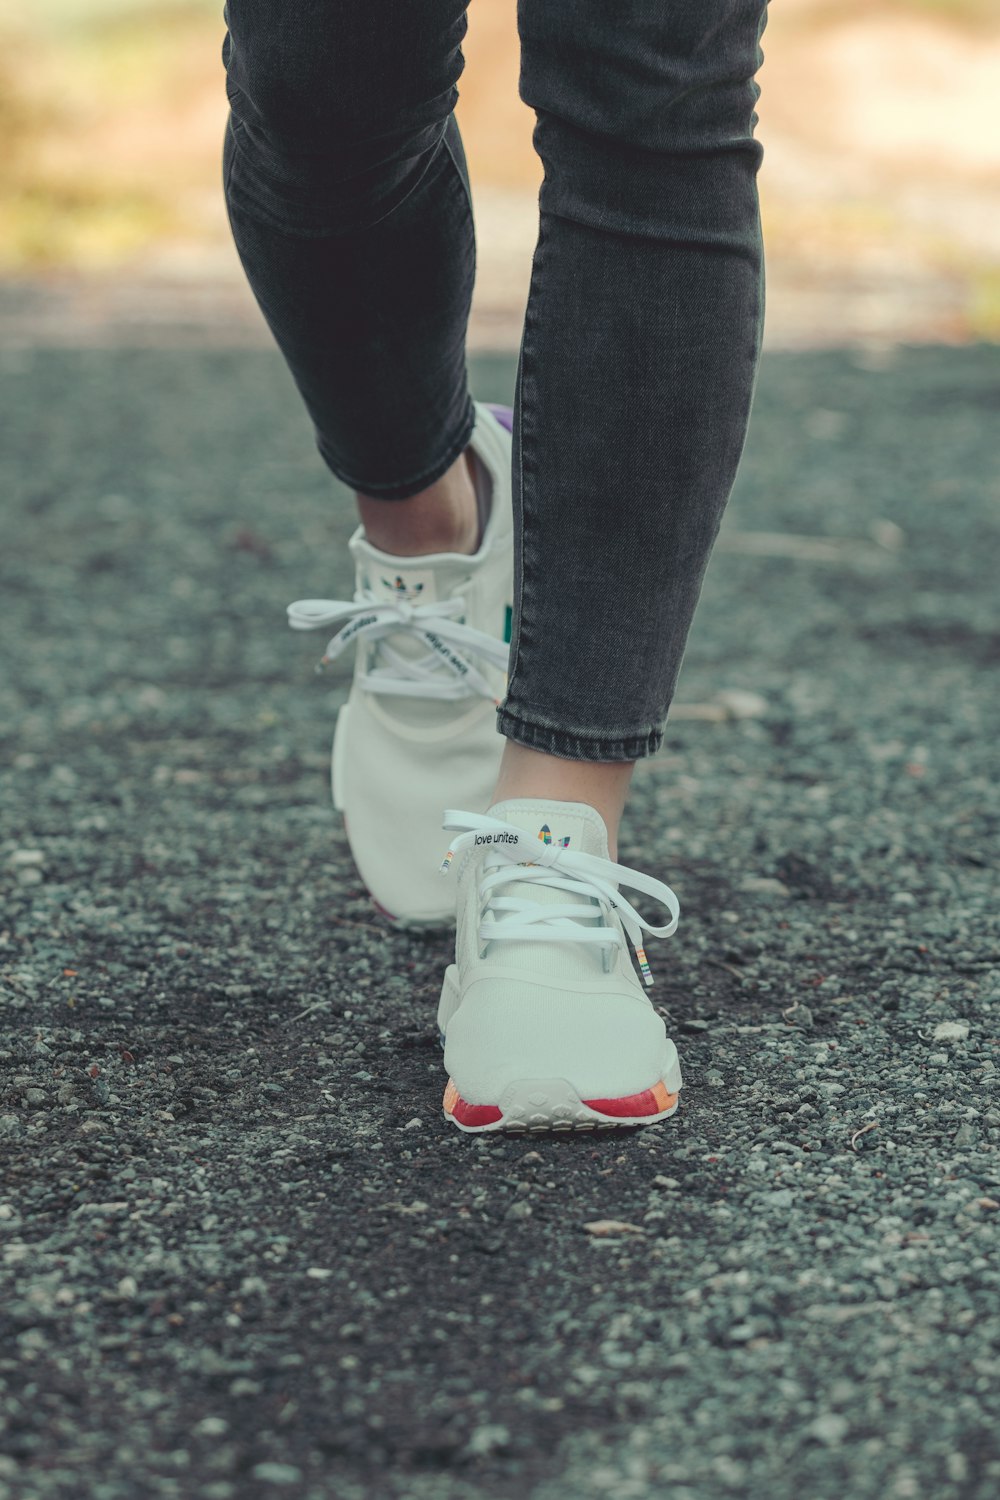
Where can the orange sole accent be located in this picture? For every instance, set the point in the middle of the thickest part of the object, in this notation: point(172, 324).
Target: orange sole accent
point(469, 1114)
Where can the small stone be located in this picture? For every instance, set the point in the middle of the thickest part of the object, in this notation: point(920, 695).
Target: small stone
point(319, 1273)
point(519, 1210)
point(212, 1426)
point(241, 1386)
point(966, 1135)
point(128, 1287)
point(951, 1031)
point(830, 1428)
point(740, 703)
point(487, 1439)
point(665, 1182)
point(23, 859)
point(413, 1124)
point(36, 1097)
point(601, 1228)
point(764, 885)
point(272, 1473)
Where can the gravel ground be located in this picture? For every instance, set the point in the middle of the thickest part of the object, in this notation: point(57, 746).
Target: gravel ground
point(241, 1253)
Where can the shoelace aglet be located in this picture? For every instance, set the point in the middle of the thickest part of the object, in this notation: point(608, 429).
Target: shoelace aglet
point(647, 972)
point(446, 862)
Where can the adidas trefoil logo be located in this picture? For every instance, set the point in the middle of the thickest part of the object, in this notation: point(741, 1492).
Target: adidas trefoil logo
point(545, 834)
point(401, 589)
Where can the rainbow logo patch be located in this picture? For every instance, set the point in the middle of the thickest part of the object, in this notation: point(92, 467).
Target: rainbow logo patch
point(545, 834)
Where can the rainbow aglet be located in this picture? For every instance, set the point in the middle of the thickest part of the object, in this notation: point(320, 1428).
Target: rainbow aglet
point(647, 972)
point(443, 870)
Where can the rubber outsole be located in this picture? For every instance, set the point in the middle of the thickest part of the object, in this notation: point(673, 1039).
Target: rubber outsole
point(543, 1105)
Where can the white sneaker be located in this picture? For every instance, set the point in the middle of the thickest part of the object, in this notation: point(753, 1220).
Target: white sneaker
point(545, 1024)
point(419, 727)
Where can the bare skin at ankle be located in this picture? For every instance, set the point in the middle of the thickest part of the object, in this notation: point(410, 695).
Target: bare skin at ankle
point(442, 518)
point(601, 784)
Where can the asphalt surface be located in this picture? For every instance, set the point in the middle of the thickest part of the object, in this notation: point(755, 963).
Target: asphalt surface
point(241, 1254)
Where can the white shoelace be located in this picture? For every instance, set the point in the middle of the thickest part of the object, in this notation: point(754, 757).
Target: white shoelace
point(516, 855)
point(445, 672)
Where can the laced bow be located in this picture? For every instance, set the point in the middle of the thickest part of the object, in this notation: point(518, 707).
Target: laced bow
point(513, 855)
point(446, 671)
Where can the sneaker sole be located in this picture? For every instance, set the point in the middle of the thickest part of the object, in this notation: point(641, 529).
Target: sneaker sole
point(542, 1105)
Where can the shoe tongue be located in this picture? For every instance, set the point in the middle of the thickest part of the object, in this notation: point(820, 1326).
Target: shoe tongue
point(585, 829)
point(556, 823)
point(417, 580)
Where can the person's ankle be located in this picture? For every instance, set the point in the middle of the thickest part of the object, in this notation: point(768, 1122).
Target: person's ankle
point(443, 518)
point(602, 785)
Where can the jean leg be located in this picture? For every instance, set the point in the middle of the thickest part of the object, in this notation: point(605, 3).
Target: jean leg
point(349, 201)
point(639, 355)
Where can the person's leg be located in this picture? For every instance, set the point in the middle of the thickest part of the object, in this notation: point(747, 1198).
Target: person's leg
point(349, 200)
point(636, 371)
point(348, 196)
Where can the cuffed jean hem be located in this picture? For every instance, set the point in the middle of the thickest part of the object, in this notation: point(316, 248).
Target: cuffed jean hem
point(552, 740)
point(403, 489)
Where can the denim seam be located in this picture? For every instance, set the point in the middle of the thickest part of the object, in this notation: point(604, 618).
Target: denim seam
point(515, 659)
point(418, 482)
point(572, 745)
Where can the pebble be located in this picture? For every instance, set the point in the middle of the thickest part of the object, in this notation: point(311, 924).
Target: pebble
point(741, 703)
point(951, 1031)
point(763, 885)
point(830, 1428)
point(22, 859)
point(487, 1439)
point(275, 1473)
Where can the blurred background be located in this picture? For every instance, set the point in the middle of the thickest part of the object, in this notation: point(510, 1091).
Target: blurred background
point(880, 184)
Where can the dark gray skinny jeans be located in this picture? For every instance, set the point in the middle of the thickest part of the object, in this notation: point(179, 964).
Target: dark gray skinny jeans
point(349, 200)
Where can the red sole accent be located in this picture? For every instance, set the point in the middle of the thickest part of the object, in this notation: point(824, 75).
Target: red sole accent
point(476, 1114)
point(469, 1114)
point(649, 1102)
